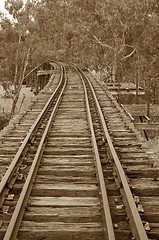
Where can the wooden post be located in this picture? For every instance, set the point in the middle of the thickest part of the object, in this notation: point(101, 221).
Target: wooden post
point(41, 82)
point(44, 79)
point(148, 98)
point(118, 84)
point(154, 91)
point(36, 85)
point(137, 84)
point(31, 81)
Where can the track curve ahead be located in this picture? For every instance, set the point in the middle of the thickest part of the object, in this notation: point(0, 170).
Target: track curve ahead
point(67, 165)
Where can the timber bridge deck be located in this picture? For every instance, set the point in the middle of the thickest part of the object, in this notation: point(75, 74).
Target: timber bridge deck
point(74, 166)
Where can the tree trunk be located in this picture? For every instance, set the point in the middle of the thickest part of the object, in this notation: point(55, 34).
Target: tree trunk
point(114, 67)
point(137, 82)
point(19, 82)
point(15, 99)
point(16, 63)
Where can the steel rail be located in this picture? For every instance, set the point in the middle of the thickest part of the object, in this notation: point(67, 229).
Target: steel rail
point(133, 215)
point(12, 167)
point(18, 213)
point(108, 229)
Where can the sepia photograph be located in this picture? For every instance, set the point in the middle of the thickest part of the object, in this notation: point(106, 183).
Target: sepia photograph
point(79, 120)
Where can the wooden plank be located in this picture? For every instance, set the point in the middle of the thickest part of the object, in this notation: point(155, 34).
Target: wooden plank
point(147, 126)
point(69, 134)
point(140, 188)
point(67, 161)
point(140, 161)
point(133, 155)
point(71, 158)
point(69, 214)
point(67, 151)
point(45, 72)
point(142, 171)
point(74, 234)
point(129, 114)
point(63, 201)
point(73, 227)
point(70, 140)
point(67, 171)
point(63, 179)
point(63, 189)
point(131, 150)
point(151, 213)
point(59, 230)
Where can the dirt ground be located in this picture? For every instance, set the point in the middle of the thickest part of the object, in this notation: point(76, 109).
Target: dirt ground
point(6, 103)
point(24, 99)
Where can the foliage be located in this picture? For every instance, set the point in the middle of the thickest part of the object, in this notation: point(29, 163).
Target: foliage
point(122, 35)
point(111, 33)
point(17, 42)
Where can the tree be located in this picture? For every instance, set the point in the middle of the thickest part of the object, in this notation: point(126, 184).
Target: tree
point(18, 42)
point(91, 33)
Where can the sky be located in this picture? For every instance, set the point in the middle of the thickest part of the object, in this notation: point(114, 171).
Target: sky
point(2, 6)
point(2, 9)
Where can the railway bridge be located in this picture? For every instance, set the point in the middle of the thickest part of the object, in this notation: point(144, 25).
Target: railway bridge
point(73, 166)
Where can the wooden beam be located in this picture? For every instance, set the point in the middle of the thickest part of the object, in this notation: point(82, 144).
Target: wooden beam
point(147, 126)
point(45, 72)
point(147, 118)
point(129, 114)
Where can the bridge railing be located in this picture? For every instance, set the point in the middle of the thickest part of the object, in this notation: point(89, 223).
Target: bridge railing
point(38, 77)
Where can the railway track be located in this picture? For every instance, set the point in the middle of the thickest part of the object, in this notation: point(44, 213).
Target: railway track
point(139, 163)
point(66, 180)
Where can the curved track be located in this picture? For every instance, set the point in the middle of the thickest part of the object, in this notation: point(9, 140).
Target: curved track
point(73, 185)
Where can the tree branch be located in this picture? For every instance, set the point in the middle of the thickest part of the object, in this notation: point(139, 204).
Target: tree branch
point(97, 39)
point(102, 44)
point(129, 55)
